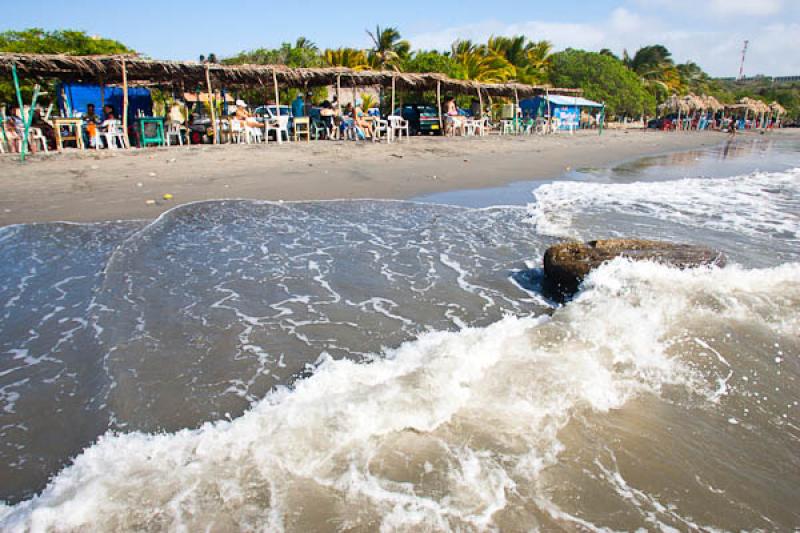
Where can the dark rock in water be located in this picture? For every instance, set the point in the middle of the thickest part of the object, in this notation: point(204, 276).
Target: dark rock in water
point(566, 264)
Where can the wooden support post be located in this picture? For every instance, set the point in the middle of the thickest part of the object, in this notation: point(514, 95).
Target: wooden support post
point(278, 135)
point(480, 103)
point(516, 111)
point(339, 90)
point(355, 96)
point(439, 103)
point(125, 104)
point(211, 105)
point(391, 111)
point(277, 92)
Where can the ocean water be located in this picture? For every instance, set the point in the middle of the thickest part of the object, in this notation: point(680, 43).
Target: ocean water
point(394, 366)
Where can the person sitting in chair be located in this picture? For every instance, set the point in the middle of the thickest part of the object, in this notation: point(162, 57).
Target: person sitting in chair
point(455, 121)
point(362, 120)
point(11, 128)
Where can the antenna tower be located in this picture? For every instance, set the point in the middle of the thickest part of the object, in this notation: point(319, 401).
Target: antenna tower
point(741, 66)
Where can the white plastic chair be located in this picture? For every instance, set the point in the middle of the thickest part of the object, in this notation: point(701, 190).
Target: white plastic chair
point(507, 127)
point(237, 134)
point(397, 125)
point(254, 135)
point(113, 134)
point(381, 129)
point(280, 125)
point(175, 129)
point(35, 135)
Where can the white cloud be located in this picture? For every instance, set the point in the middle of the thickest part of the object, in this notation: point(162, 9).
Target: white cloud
point(715, 47)
point(758, 8)
point(718, 8)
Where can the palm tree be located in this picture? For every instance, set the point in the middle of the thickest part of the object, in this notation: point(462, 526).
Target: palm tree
point(528, 58)
point(694, 78)
point(304, 43)
point(388, 48)
point(656, 68)
point(346, 57)
point(479, 63)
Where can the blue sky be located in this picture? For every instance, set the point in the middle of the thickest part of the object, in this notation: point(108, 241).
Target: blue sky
point(710, 32)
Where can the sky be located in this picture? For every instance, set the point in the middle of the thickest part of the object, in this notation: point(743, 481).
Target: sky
point(708, 32)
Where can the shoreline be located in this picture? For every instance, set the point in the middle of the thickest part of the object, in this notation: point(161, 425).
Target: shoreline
point(101, 186)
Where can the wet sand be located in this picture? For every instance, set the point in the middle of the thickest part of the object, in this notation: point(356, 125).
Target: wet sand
point(107, 185)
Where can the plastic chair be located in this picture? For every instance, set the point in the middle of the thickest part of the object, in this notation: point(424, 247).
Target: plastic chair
point(302, 126)
point(35, 135)
point(175, 129)
point(318, 128)
point(381, 129)
point(397, 126)
point(253, 135)
point(113, 134)
point(237, 134)
point(280, 125)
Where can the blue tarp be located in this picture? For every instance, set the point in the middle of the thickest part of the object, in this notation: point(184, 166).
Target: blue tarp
point(79, 95)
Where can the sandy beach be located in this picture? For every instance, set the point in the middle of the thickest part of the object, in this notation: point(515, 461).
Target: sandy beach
point(117, 185)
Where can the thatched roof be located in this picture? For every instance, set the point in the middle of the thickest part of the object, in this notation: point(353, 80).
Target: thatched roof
point(711, 103)
point(775, 107)
point(756, 106)
point(189, 74)
point(675, 104)
point(694, 102)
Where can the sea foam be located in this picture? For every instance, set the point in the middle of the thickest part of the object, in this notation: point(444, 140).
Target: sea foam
point(448, 431)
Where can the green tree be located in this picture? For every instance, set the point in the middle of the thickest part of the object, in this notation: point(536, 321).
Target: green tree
point(301, 53)
point(345, 57)
point(655, 66)
point(388, 48)
point(479, 63)
point(528, 58)
point(71, 42)
point(429, 61)
point(39, 41)
point(603, 79)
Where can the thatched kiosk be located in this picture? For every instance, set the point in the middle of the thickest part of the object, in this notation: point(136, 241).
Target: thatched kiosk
point(128, 70)
point(675, 104)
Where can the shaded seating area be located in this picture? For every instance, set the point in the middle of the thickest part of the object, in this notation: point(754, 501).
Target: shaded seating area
point(121, 80)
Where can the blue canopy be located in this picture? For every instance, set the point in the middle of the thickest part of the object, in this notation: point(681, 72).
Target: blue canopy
point(560, 99)
point(79, 95)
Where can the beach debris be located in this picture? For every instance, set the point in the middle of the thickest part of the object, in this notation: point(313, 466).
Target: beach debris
point(172, 160)
point(152, 174)
point(150, 202)
point(167, 196)
point(140, 184)
point(94, 167)
point(567, 264)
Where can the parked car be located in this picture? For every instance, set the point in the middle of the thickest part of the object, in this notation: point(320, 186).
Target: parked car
point(422, 118)
point(662, 123)
point(272, 111)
